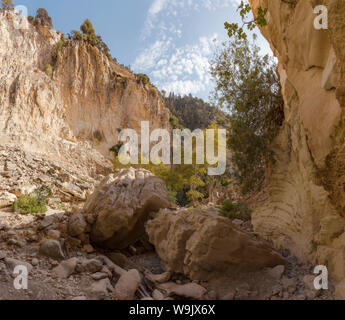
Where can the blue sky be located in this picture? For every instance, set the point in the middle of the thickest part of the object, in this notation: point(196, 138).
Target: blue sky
point(169, 40)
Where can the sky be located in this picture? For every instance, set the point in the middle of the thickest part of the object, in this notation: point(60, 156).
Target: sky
point(171, 41)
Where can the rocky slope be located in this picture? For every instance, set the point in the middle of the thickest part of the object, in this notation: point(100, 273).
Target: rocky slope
point(74, 113)
point(304, 205)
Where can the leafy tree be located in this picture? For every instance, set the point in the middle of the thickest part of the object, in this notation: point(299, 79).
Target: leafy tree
point(192, 113)
point(248, 86)
point(7, 4)
point(244, 8)
point(43, 18)
point(89, 32)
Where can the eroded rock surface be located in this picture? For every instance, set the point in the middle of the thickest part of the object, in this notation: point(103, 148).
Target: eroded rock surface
point(303, 209)
point(202, 244)
point(121, 205)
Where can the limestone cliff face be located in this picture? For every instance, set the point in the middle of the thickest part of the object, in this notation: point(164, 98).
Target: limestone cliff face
point(75, 113)
point(304, 206)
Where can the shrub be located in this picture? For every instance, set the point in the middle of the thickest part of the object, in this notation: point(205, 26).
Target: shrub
point(7, 4)
point(31, 20)
point(248, 86)
point(35, 203)
point(48, 70)
point(234, 210)
point(116, 149)
point(61, 43)
point(43, 18)
point(142, 78)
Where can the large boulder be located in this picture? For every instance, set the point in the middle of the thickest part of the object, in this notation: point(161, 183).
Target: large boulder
point(202, 244)
point(120, 206)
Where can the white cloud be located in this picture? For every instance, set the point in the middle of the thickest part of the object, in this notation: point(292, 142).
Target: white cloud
point(182, 70)
point(172, 8)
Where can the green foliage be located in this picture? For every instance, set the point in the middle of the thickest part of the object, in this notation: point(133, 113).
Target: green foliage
point(31, 20)
point(61, 43)
point(192, 113)
point(35, 203)
point(43, 18)
point(248, 86)
point(244, 8)
point(116, 149)
point(175, 123)
point(48, 70)
point(142, 78)
point(7, 4)
point(235, 210)
point(76, 35)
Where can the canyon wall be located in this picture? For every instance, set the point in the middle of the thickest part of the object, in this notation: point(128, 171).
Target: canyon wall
point(304, 205)
point(73, 112)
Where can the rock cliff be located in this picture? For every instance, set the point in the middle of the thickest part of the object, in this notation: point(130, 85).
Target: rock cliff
point(304, 206)
point(67, 100)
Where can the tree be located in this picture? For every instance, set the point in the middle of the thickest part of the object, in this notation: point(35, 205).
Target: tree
point(89, 32)
point(7, 4)
point(248, 86)
point(244, 8)
point(43, 18)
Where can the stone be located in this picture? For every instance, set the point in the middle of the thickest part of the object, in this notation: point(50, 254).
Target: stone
point(47, 222)
point(12, 263)
point(99, 276)
point(100, 289)
point(77, 225)
point(7, 199)
point(158, 278)
point(201, 244)
point(92, 266)
point(157, 295)
point(34, 262)
point(118, 258)
point(309, 282)
point(340, 290)
point(277, 272)
point(2, 255)
point(65, 269)
point(122, 204)
point(51, 249)
point(189, 290)
point(127, 285)
point(289, 284)
point(53, 234)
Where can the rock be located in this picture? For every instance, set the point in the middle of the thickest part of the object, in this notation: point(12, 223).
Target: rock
point(74, 190)
point(7, 199)
point(99, 276)
point(277, 272)
point(122, 204)
point(2, 255)
point(229, 296)
point(53, 234)
point(12, 263)
point(340, 290)
point(237, 222)
point(100, 289)
point(127, 285)
point(201, 244)
point(47, 222)
point(309, 282)
point(51, 249)
point(88, 248)
point(77, 225)
point(65, 269)
point(157, 295)
point(92, 266)
point(289, 284)
point(189, 291)
point(158, 278)
point(34, 262)
point(119, 259)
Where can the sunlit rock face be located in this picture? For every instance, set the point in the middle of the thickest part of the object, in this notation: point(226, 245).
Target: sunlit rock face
point(75, 113)
point(304, 206)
